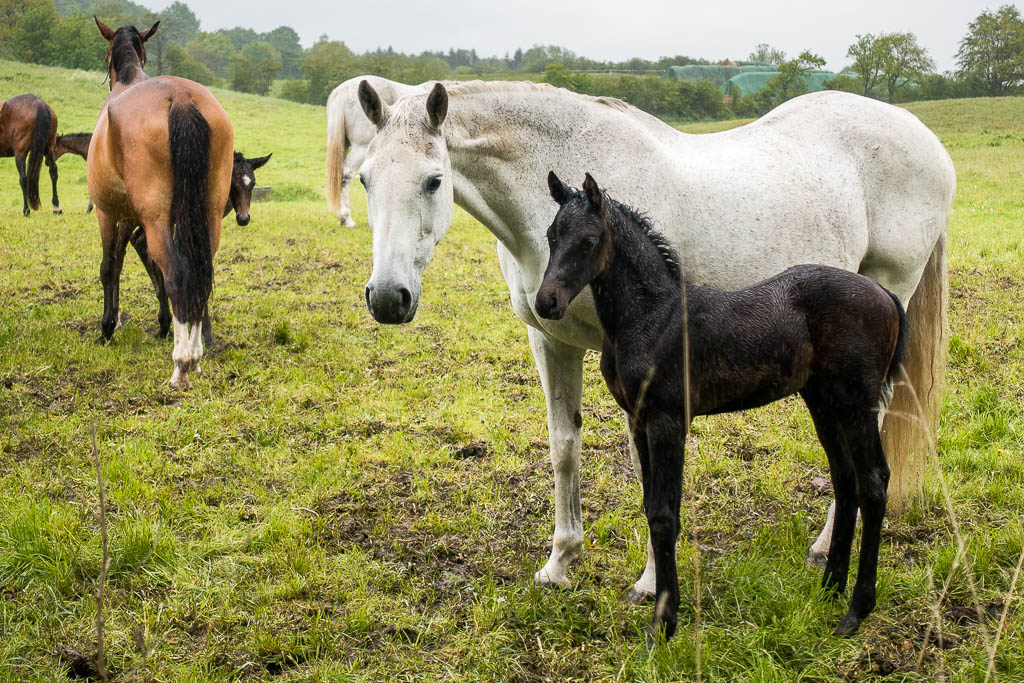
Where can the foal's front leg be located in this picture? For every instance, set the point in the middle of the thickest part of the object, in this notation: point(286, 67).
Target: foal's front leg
point(663, 489)
point(51, 163)
point(156, 277)
point(561, 374)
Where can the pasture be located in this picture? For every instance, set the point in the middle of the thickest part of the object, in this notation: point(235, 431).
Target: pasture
point(335, 499)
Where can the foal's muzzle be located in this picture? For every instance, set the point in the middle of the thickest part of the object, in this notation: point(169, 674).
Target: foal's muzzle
point(549, 304)
point(390, 305)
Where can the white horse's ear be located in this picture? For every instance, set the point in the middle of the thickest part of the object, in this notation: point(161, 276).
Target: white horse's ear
point(437, 105)
point(148, 33)
point(105, 30)
point(592, 191)
point(557, 188)
point(372, 105)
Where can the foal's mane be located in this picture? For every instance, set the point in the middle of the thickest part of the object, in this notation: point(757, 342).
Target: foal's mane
point(640, 219)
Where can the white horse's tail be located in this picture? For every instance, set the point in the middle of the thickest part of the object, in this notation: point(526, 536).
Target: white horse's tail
point(335, 152)
point(912, 418)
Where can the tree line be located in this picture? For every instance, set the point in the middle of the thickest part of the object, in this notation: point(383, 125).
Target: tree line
point(990, 60)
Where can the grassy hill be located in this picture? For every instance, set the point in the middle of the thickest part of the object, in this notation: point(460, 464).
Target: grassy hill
point(337, 499)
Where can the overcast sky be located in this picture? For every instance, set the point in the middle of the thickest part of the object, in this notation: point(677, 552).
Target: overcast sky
point(606, 30)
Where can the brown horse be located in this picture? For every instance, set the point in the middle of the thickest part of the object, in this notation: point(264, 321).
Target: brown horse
point(28, 129)
point(160, 158)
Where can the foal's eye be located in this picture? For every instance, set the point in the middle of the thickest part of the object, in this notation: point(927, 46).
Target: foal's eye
point(434, 183)
point(363, 181)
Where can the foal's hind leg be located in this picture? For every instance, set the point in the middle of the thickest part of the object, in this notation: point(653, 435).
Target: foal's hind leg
point(115, 239)
point(51, 163)
point(157, 278)
point(19, 161)
point(872, 486)
point(834, 438)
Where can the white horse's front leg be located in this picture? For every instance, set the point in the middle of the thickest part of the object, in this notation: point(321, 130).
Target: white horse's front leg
point(561, 374)
point(644, 588)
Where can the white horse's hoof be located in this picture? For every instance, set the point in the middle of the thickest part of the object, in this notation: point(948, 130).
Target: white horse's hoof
point(816, 558)
point(640, 597)
point(551, 580)
point(350, 223)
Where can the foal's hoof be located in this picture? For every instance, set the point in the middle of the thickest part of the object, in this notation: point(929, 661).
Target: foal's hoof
point(848, 626)
point(817, 558)
point(102, 340)
point(57, 211)
point(638, 597)
point(26, 212)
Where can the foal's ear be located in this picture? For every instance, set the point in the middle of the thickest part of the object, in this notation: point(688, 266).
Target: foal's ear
point(370, 101)
point(592, 191)
point(557, 188)
point(105, 30)
point(259, 161)
point(148, 33)
point(437, 105)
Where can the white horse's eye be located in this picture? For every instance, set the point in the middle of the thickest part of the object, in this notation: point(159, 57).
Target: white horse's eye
point(363, 181)
point(433, 183)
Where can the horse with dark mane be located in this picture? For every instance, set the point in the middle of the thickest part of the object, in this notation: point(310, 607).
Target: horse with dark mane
point(160, 158)
point(673, 351)
point(243, 181)
point(28, 129)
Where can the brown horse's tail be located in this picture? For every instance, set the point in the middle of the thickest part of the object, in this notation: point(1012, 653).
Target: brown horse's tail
point(191, 260)
point(911, 422)
point(37, 151)
point(335, 153)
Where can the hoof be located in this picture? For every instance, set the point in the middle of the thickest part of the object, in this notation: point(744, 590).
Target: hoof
point(181, 383)
point(638, 597)
point(350, 223)
point(546, 580)
point(847, 627)
point(650, 639)
point(816, 558)
point(57, 211)
point(162, 334)
point(26, 212)
point(102, 340)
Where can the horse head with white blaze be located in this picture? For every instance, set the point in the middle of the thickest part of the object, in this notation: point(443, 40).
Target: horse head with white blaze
point(409, 200)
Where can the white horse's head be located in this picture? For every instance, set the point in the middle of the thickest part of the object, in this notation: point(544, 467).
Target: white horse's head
point(409, 198)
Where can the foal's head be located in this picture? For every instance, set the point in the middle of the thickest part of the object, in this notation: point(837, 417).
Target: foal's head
point(579, 242)
point(126, 50)
point(242, 183)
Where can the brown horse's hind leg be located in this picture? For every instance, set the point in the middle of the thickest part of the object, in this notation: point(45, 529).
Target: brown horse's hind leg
point(156, 277)
point(115, 239)
point(52, 165)
point(19, 161)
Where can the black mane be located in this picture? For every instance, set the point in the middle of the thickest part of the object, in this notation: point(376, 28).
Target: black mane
point(668, 254)
point(126, 51)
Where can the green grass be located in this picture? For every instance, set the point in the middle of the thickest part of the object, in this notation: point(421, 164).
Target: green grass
point(336, 499)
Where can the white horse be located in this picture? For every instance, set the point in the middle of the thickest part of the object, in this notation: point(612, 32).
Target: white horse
point(347, 127)
point(829, 178)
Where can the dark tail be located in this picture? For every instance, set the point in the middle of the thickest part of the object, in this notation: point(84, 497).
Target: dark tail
point(192, 262)
point(900, 352)
point(37, 151)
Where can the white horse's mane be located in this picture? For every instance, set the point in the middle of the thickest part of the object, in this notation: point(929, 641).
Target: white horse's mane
point(500, 87)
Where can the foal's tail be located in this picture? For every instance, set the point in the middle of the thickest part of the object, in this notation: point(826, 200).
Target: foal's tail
point(335, 151)
point(192, 260)
point(899, 354)
point(37, 151)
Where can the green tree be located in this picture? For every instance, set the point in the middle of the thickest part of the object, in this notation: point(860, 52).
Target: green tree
point(790, 80)
point(75, 43)
point(327, 64)
point(904, 61)
point(33, 33)
point(11, 13)
point(180, 63)
point(766, 54)
point(286, 41)
point(255, 68)
point(214, 51)
point(992, 52)
point(868, 56)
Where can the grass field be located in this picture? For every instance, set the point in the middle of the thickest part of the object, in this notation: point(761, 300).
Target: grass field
point(339, 500)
